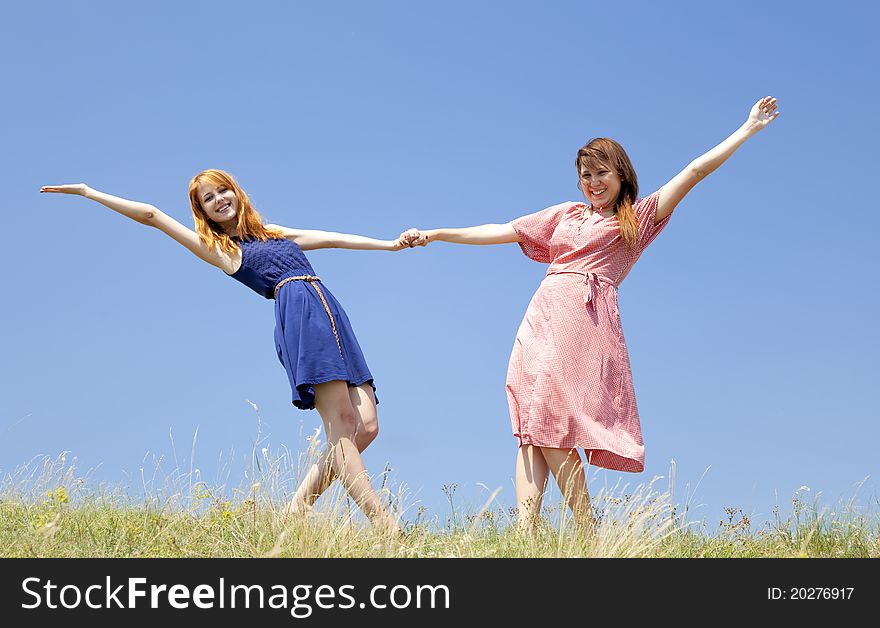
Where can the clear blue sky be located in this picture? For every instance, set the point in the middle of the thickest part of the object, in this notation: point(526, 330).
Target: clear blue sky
point(751, 321)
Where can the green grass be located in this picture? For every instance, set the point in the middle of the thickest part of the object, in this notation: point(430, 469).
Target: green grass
point(47, 511)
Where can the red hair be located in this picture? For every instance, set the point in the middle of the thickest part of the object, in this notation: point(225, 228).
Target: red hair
point(249, 224)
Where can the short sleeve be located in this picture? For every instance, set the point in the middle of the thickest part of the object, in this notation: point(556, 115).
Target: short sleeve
point(535, 231)
point(645, 209)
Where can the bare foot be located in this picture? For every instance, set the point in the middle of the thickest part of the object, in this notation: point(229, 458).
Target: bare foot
point(295, 508)
point(386, 523)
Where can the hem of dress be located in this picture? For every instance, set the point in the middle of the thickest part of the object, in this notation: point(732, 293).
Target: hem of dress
point(306, 399)
point(597, 457)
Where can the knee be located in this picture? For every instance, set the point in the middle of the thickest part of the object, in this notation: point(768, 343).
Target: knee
point(343, 425)
point(367, 432)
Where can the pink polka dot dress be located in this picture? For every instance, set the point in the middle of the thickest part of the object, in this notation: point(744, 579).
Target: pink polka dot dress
point(569, 382)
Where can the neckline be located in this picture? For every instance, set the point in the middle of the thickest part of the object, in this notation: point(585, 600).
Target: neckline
point(585, 216)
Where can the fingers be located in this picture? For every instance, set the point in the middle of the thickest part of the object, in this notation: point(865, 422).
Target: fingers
point(412, 238)
point(403, 242)
point(77, 188)
point(765, 111)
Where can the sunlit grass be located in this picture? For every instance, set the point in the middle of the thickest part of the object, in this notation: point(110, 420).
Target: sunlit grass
point(48, 510)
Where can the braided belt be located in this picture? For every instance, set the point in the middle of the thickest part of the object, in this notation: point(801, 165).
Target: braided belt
point(314, 283)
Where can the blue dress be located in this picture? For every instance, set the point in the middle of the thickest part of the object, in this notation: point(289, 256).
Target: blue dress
point(304, 338)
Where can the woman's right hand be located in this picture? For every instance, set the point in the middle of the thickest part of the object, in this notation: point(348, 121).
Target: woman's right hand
point(763, 113)
point(412, 238)
point(80, 189)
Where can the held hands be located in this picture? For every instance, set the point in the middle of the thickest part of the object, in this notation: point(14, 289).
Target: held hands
point(763, 113)
point(79, 189)
point(410, 238)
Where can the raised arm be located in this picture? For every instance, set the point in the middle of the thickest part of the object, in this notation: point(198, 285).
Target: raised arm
point(151, 216)
point(762, 113)
point(482, 234)
point(309, 239)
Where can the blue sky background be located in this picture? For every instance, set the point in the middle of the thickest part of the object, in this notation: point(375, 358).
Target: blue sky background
point(751, 322)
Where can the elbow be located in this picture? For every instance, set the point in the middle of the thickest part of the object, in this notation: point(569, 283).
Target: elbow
point(698, 172)
point(149, 216)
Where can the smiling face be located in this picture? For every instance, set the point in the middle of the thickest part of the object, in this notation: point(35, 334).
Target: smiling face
point(600, 185)
point(218, 202)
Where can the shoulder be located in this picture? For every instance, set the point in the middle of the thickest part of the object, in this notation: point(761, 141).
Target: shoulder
point(281, 231)
point(647, 211)
point(558, 210)
point(646, 204)
point(650, 199)
point(566, 206)
point(567, 209)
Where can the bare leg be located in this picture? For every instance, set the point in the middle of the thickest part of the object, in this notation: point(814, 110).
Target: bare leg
point(335, 406)
point(320, 475)
point(568, 469)
point(531, 481)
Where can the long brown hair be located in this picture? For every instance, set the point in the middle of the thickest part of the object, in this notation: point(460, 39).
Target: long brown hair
point(602, 152)
point(249, 224)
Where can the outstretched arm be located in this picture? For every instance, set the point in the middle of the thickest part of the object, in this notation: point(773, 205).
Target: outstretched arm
point(482, 234)
point(150, 215)
point(762, 113)
point(310, 239)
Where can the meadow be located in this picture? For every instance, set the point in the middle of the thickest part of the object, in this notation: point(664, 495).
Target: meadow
point(48, 510)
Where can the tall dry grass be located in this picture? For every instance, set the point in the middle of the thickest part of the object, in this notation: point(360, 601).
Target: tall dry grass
point(47, 509)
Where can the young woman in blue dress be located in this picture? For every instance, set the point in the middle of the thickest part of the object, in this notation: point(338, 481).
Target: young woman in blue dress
point(313, 336)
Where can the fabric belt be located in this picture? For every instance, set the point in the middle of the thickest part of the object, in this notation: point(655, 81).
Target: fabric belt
point(591, 282)
point(311, 279)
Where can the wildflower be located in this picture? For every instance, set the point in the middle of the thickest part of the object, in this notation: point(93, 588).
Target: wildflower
point(40, 521)
point(57, 497)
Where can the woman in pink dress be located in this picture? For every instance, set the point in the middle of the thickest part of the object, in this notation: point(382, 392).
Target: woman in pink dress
point(569, 383)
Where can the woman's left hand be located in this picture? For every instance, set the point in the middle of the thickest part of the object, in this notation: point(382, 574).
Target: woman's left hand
point(409, 239)
point(763, 113)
